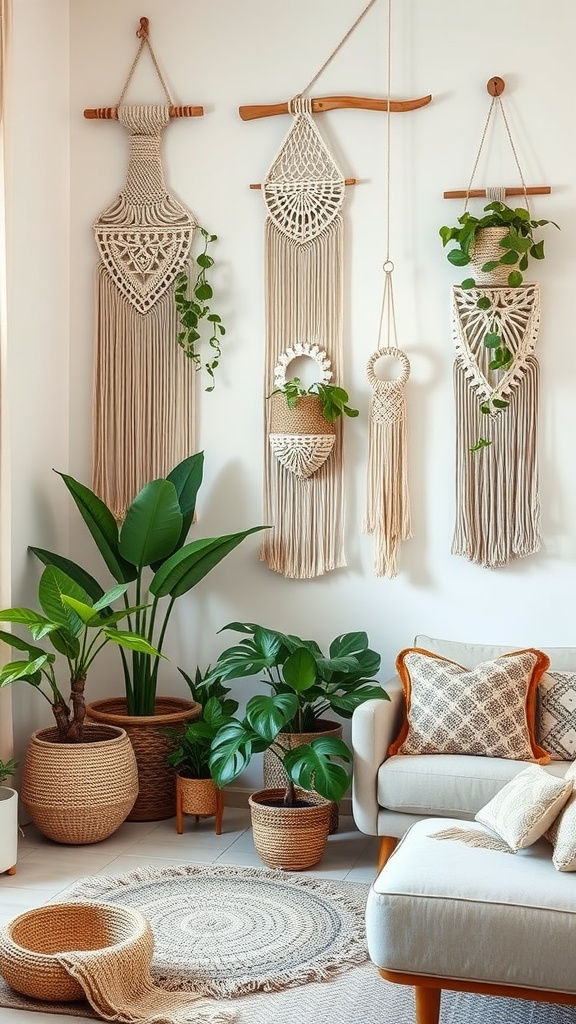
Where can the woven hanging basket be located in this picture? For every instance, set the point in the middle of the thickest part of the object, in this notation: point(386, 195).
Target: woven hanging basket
point(487, 247)
point(300, 438)
point(291, 838)
point(31, 942)
point(79, 792)
point(273, 772)
point(157, 786)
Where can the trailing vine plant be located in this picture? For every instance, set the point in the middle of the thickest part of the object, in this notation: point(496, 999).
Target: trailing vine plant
point(193, 310)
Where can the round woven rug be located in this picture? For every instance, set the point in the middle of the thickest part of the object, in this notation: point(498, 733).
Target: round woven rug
point(225, 930)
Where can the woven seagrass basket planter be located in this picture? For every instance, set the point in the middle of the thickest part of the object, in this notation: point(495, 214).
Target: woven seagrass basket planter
point(79, 793)
point(273, 772)
point(8, 829)
point(487, 247)
point(31, 942)
point(200, 797)
point(290, 838)
point(300, 438)
point(156, 781)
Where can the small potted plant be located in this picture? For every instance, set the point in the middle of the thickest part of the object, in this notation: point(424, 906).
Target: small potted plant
point(290, 825)
point(8, 819)
point(498, 246)
point(196, 791)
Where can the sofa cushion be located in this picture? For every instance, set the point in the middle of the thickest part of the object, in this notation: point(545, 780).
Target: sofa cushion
point(448, 784)
point(562, 833)
point(488, 710)
point(526, 806)
point(556, 714)
point(562, 659)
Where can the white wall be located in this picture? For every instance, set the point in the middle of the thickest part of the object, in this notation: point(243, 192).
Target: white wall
point(223, 53)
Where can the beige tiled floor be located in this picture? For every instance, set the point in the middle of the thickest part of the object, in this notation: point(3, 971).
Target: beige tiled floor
point(46, 870)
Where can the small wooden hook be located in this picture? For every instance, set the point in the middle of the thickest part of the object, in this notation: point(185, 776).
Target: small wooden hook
point(495, 86)
point(144, 29)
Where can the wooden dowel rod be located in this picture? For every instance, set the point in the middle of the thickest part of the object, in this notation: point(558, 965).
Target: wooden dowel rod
point(111, 113)
point(480, 193)
point(347, 181)
point(323, 103)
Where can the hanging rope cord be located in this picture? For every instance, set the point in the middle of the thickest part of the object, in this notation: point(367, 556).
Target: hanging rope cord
point(337, 48)
point(497, 194)
point(144, 41)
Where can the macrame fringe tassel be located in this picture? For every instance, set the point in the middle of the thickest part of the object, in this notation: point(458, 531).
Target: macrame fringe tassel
point(303, 304)
point(497, 496)
point(388, 503)
point(473, 838)
point(143, 413)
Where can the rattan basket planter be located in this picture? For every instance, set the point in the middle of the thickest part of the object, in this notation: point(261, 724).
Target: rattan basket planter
point(200, 797)
point(300, 438)
point(273, 772)
point(31, 942)
point(79, 792)
point(486, 247)
point(290, 838)
point(156, 781)
point(8, 829)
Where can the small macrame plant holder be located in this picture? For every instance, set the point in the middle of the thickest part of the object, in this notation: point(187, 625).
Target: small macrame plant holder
point(143, 411)
point(300, 438)
point(497, 491)
point(387, 503)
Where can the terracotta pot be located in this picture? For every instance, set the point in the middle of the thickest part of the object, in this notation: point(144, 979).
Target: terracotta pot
point(156, 781)
point(274, 774)
point(291, 838)
point(200, 797)
point(79, 792)
point(8, 829)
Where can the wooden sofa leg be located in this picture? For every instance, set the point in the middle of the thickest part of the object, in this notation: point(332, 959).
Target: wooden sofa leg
point(427, 1004)
point(387, 846)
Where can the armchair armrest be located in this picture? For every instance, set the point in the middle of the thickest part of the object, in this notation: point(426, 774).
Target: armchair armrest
point(375, 724)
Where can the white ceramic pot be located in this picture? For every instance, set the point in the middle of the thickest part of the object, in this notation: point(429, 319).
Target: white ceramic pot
point(8, 829)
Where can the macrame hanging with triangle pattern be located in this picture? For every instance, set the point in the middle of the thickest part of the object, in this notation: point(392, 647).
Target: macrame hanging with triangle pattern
point(497, 491)
point(143, 417)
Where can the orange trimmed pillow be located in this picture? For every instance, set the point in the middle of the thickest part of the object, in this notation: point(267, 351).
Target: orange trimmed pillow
point(488, 710)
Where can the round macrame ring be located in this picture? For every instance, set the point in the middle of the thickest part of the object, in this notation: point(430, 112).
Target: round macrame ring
point(396, 353)
point(319, 356)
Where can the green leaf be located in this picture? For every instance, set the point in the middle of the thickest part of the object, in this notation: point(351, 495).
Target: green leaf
point(187, 479)
point(484, 408)
point(203, 292)
point(484, 302)
point(499, 403)
point(38, 625)
point(509, 258)
point(267, 716)
point(458, 258)
point(54, 585)
point(231, 753)
point(492, 340)
point(110, 597)
point(153, 524)
point(515, 279)
point(20, 645)
point(74, 571)
point(204, 260)
point(131, 641)
point(102, 526)
point(22, 670)
point(310, 767)
point(185, 568)
point(489, 266)
point(537, 251)
point(523, 265)
point(299, 670)
point(480, 443)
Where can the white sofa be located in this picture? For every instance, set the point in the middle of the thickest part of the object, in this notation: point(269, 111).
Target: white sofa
point(391, 793)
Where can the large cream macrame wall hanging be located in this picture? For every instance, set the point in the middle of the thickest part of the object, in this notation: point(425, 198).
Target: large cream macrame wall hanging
point(497, 491)
point(304, 191)
point(143, 412)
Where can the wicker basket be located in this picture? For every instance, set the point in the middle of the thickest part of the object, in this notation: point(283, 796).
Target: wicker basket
point(291, 838)
point(157, 787)
point(305, 418)
point(200, 797)
point(29, 945)
point(79, 792)
point(487, 247)
point(274, 774)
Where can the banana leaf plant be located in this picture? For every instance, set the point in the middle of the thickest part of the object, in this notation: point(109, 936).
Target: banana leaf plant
point(339, 683)
point(310, 766)
point(76, 627)
point(148, 555)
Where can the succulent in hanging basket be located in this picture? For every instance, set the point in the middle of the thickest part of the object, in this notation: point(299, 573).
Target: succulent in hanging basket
point(518, 245)
point(333, 399)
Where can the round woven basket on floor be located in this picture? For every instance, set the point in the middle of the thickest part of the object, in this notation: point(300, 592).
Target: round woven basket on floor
point(273, 772)
point(157, 787)
point(291, 838)
point(30, 943)
point(487, 247)
point(79, 792)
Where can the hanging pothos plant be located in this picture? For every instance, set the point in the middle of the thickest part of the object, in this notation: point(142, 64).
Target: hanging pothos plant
point(192, 311)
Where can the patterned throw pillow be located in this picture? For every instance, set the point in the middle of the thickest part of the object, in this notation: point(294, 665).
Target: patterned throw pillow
point(489, 710)
point(556, 715)
point(526, 806)
point(562, 832)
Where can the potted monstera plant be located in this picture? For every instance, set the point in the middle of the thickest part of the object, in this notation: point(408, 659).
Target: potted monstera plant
point(8, 819)
point(148, 556)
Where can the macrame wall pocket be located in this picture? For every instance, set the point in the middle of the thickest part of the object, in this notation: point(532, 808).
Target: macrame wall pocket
point(143, 412)
point(495, 321)
point(304, 191)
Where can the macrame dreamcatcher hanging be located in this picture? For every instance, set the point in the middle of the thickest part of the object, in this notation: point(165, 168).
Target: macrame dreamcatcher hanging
point(304, 192)
point(497, 492)
point(387, 504)
point(143, 412)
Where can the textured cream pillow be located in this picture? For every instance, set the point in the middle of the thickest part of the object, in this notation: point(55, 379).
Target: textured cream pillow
point(562, 832)
point(526, 806)
point(489, 710)
point(556, 715)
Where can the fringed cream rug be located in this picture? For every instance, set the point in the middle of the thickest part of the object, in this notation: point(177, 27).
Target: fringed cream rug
point(283, 949)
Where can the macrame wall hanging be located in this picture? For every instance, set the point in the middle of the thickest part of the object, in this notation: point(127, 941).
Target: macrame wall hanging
point(388, 503)
point(497, 492)
point(304, 191)
point(143, 411)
